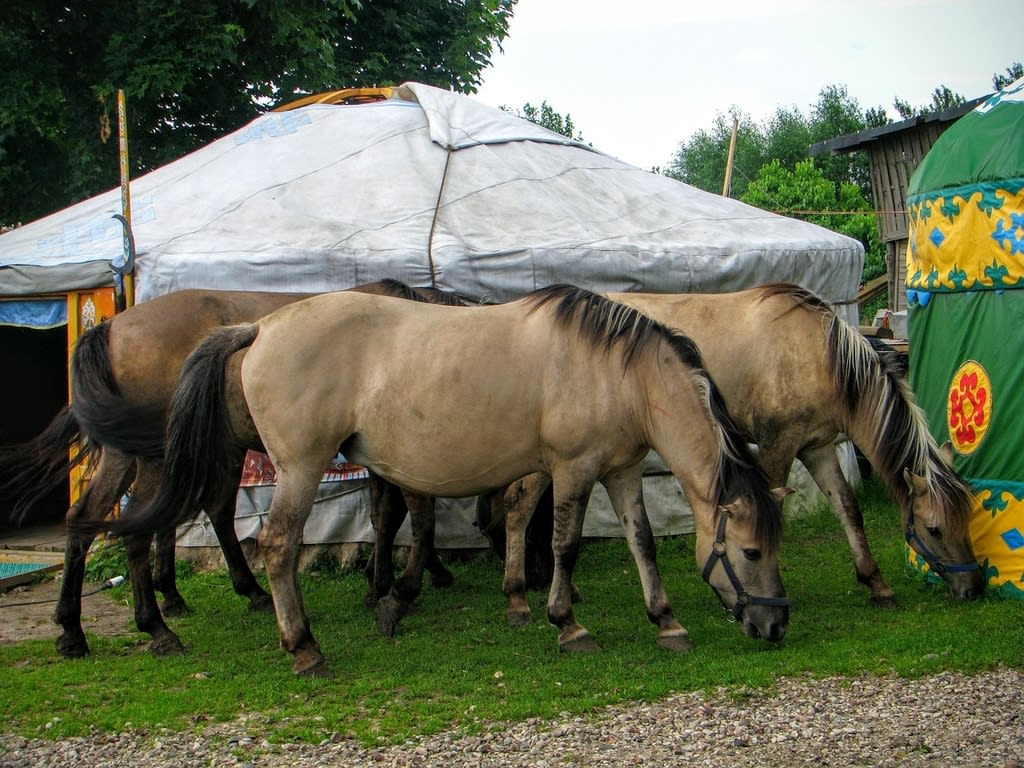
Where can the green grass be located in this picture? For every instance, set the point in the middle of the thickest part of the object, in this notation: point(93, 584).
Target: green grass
point(454, 663)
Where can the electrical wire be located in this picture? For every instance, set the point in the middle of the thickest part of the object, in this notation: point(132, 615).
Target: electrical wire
point(108, 584)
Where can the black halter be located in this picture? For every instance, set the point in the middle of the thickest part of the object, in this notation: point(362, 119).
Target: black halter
point(743, 598)
point(938, 567)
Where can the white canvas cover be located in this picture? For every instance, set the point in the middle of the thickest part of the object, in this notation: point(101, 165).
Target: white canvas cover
point(429, 187)
point(432, 188)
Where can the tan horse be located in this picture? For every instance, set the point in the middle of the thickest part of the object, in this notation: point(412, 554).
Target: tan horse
point(123, 375)
point(797, 377)
point(456, 401)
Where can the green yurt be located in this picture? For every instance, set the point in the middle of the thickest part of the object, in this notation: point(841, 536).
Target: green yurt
point(965, 297)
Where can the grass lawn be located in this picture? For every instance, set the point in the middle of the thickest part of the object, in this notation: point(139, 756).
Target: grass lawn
point(454, 663)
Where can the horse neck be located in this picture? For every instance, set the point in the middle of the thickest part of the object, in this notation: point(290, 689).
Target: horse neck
point(681, 430)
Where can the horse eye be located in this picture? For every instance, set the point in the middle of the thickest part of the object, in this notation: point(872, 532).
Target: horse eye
point(934, 532)
point(752, 554)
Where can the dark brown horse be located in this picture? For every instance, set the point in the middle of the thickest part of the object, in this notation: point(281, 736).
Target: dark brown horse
point(123, 375)
point(562, 381)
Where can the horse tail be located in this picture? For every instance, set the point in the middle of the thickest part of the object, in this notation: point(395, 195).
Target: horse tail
point(97, 404)
point(198, 456)
point(39, 465)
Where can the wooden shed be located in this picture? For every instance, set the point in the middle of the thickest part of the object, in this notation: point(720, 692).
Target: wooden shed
point(895, 150)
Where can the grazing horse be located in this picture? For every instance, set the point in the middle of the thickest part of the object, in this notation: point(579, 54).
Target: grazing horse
point(123, 375)
point(796, 377)
point(450, 401)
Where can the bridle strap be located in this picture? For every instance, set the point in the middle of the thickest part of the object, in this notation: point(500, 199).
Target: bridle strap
point(743, 598)
point(916, 543)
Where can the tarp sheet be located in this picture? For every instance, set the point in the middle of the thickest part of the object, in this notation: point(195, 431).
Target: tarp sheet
point(429, 188)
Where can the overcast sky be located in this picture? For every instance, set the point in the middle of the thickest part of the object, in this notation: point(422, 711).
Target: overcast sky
point(639, 77)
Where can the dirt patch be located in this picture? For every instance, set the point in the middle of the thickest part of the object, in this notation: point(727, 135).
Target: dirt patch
point(26, 612)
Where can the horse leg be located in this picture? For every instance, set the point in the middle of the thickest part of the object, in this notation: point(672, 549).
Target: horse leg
point(113, 476)
point(164, 576)
point(280, 539)
point(147, 612)
point(625, 490)
point(387, 511)
point(519, 501)
point(440, 576)
point(243, 580)
point(396, 603)
point(823, 465)
point(538, 545)
point(571, 499)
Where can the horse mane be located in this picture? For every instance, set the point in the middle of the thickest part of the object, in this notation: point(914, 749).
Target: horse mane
point(605, 324)
point(437, 296)
point(396, 288)
point(872, 388)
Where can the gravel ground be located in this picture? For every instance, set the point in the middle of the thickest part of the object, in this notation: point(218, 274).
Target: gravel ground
point(943, 720)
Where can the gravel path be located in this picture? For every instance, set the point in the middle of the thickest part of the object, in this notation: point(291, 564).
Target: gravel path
point(943, 720)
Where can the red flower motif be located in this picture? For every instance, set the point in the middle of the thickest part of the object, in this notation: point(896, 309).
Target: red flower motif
point(965, 420)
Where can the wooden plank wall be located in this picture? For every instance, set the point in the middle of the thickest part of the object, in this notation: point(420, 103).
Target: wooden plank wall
point(893, 162)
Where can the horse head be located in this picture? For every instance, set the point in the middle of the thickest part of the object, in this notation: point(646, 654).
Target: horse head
point(936, 526)
point(748, 582)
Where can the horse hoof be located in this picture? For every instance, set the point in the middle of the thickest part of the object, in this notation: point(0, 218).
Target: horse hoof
point(71, 647)
point(517, 618)
point(579, 641)
point(883, 601)
point(175, 608)
point(166, 645)
point(313, 667)
point(678, 642)
point(442, 579)
point(261, 604)
point(389, 613)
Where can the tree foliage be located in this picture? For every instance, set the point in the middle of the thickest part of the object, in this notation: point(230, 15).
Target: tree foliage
point(771, 169)
point(1013, 72)
point(804, 192)
point(193, 70)
point(547, 117)
point(942, 98)
point(784, 137)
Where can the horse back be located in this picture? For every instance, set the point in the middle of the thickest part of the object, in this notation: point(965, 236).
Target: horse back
point(765, 348)
point(488, 389)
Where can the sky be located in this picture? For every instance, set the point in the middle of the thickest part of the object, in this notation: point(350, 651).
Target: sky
point(640, 77)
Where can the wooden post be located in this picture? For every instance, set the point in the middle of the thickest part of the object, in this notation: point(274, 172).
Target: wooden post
point(732, 154)
point(126, 202)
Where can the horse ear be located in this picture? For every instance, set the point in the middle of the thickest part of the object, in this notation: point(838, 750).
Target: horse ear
point(946, 451)
point(729, 508)
point(918, 485)
point(780, 494)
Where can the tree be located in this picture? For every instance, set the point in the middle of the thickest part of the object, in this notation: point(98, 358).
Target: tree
point(836, 113)
point(1013, 72)
point(546, 117)
point(806, 193)
point(193, 70)
point(942, 98)
point(701, 161)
